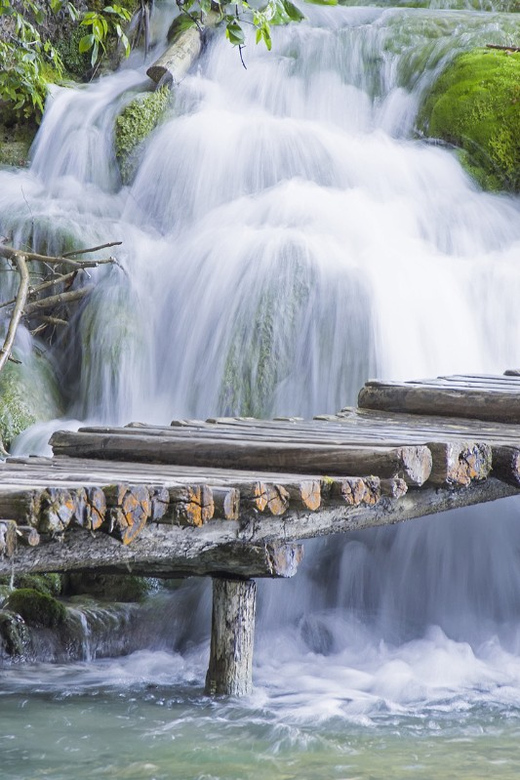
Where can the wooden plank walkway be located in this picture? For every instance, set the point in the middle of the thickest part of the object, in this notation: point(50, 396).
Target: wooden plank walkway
point(233, 497)
point(139, 493)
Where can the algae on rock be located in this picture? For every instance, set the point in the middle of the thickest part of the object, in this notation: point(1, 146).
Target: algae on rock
point(28, 393)
point(475, 105)
point(134, 125)
point(36, 609)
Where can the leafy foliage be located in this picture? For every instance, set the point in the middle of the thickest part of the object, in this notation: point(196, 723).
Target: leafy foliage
point(102, 26)
point(237, 15)
point(27, 60)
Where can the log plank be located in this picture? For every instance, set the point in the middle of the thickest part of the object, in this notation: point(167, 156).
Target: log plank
point(493, 403)
point(413, 463)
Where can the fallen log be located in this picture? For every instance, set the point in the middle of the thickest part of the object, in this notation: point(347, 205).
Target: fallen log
point(176, 61)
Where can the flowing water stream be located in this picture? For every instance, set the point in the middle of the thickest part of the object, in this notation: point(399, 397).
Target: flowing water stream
point(285, 238)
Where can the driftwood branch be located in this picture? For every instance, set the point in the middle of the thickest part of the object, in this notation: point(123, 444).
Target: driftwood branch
point(18, 311)
point(11, 253)
point(26, 304)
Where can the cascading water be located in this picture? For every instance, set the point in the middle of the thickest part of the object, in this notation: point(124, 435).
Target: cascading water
point(285, 238)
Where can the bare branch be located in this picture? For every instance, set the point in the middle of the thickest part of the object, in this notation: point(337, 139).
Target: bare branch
point(11, 253)
point(54, 300)
point(92, 249)
point(44, 286)
point(21, 298)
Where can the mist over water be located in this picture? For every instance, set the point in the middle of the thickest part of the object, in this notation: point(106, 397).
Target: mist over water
point(286, 237)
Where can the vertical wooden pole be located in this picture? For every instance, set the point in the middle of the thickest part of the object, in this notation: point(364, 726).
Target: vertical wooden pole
point(230, 669)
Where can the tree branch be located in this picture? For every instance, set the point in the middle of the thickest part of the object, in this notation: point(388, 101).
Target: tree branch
point(21, 298)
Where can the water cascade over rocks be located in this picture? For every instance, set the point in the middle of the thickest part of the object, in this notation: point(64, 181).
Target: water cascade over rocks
point(285, 237)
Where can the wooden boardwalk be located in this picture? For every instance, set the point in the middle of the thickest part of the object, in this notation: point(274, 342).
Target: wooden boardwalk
point(233, 497)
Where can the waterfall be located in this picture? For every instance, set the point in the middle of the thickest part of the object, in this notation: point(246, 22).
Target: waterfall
point(285, 237)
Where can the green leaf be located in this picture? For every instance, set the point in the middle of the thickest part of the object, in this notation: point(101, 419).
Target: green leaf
point(323, 2)
point(234, 33)
point(294, 13)
point(95, 53)
point(181, 23)
point(86, 43)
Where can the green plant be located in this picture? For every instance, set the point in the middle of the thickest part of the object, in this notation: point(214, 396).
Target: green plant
point(235, 15)
point(28, 61)
point(103, 25)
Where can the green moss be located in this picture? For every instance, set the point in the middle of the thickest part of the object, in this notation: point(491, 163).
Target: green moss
point(134, 125)
point(475, 105)
point(37, 609)
point(13, 634)
point(28, 393)
point(261, 352)
point(15, 141)
point(114, 587)
point(49, 584)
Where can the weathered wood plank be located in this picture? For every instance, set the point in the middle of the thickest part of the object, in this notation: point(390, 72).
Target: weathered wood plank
point(8, 539)
point(159, 551)
point(21, 505)
point(445, 400)
point(412, 462)
point(128, 509)
point(506, 465)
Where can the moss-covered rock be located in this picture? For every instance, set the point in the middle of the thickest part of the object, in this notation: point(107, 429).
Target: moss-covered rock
point(113, 587)
point(15, 141)
point(475, 105)
point(36, 609)
point(49, 584)
point(13, 635)
point(134, 125)
point(29, 393)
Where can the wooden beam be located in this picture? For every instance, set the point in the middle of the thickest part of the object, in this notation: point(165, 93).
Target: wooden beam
point(413, 463)
point(495, 401)
point(160, 551)
point(230, 671)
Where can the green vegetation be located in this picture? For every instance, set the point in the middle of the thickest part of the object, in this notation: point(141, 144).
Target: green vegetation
point(49, 584)
point(28, 394)
point(29, 62)
point(134, 125)
point(104, 25)
point(13, 634)
point(37, 609)
point(112, 587)
point(475, 105)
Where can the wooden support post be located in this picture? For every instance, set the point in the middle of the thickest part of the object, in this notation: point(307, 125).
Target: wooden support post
point(230, 671)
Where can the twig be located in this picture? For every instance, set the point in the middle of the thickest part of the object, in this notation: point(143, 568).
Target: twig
point(10, 253)
point(54, 300)
point(17, 314)
point(502, 48)
point(44, 286)
point(92, 249)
